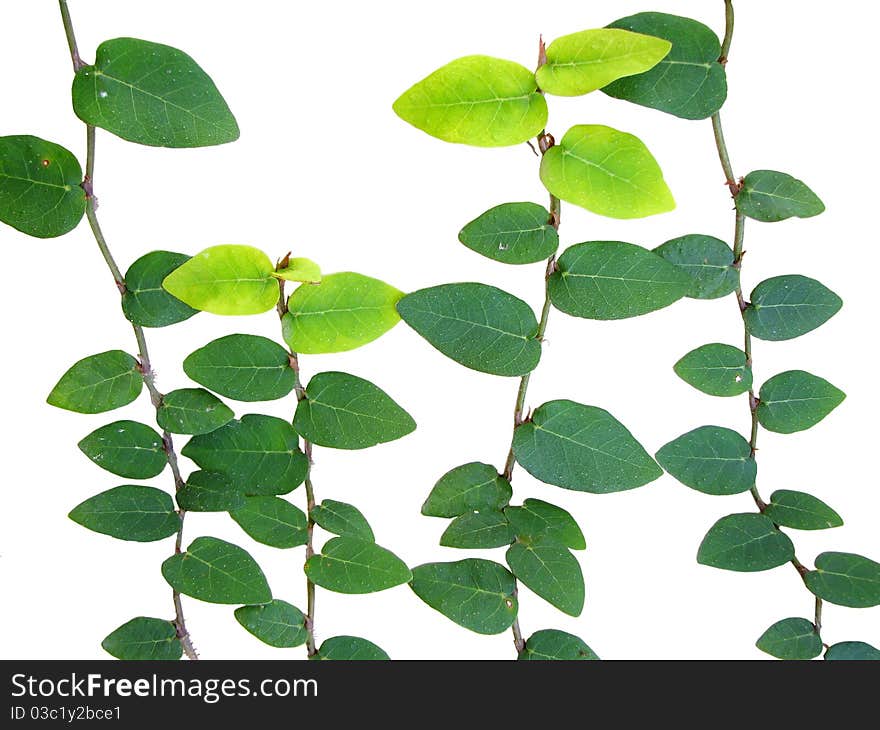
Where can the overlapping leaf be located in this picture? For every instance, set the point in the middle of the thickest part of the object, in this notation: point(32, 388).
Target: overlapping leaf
point(145, 301)
point(469, 487)
point(708, 260)
point(475, 530)
point(537, 519)
point(206, 491)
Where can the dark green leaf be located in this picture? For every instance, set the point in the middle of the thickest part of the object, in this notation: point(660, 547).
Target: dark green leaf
point(708, 260)
point(343, 411)
point(259, 454)
point(144, 301)
point(478, 530)
point(272, 521)
point(98, 383)
point(152, 94)
point(582, 448)
point(795, 401)
point(689, 82)
point(144, 638)
point(551, 644)
point(342, 519)
point(192, 411)
point(791, 638)
point(852, 651)
point(770, 196)
point(477, 594)
point(745, 543)
point(845, 579)
point(350, 648)
point(477, 325)
point(786, 307)
point(216, 571)
point(130, 512)
point(716, 369)
point(469, 487)
point(712, 460)
point(207, 491)
point(40, 192)
point(512, 233)
point(350, 565)
point(276, 623)
point(801, 511)
point(130, 449)
point(537, 519)
point(551, 571)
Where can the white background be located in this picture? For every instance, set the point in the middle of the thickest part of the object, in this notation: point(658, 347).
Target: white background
point(325, 168)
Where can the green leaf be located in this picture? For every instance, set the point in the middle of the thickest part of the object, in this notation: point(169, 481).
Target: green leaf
point(551, 644)
point(845, 579)
point(152, 94)
point(130, 449)
point(469, 487)
point(229, 279)
point(745, 543)
point(551, 571)
point(512, 233)
point(791, 638)
point(801, 511)
point(582, 448)
point(144, 301)
point(476, 530)
point(689, 82)
point(770, 196)
point(343, 411)
point(478, 326)
point(217, 571)
point(614, 280)
point(259, 454)
point(243, 367)
point(130, 512)
point(712, 460)
point(350, 565)
point(477, 594)
point(608, 172)
point(342, 519)
point(536, 519)
point(207, 491)
point(476, 100)
point(795, 401)
point(272, 521)
point(350, 648)
point(276, 623)
point(144, 638)
point(786, 307)
point(716, 369)
point(708, 260)
point(343, 312)
point(40, 192)
point(301, 270)
point(586, 61)
point(192, 411)
point(852, 651)
point(98, 383)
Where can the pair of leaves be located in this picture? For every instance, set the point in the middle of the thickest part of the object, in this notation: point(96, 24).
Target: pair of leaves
point(354, 565)
point(712, 460)
point(786, 307)
point(98, 383)
point(795, 401)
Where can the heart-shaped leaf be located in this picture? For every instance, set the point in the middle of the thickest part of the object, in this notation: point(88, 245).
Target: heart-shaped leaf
point(512, 233)
point(143, 639)
point(795, 401)
point(708, 260)
point(791, 638)
point(351, 565)
point(277, 623)
point(712, 460)
point(342, 519)
point(786, 307)
point(130, 512)
point(770, 196)
point(98, 383)
point(551, 571)
point(127, 448)
point(716, 369)
point(272, 521)
point(745, 543)
point(801, 511)
point(845, 579)
point(466, 488)
point(192, 411)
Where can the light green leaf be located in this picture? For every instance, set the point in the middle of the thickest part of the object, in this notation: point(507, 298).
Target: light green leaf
point(130, 512)
point(795, 401)
point(277, 623)
point(98, 383)
point(350, 648)
point(689, 82)
point(852, 651)
point(216, 571)
point(350, 565)
point(771, 196)
point(614, 280)
point(608, 172)
point(791, 638)
point(476, 100)
point(786, 307)
point(712, 460)
point(845, 579)
point(801, 511)
point(207, 491)
point(152, 94)
point(143, 639)
point(343, 411)
point(512, 233)
point(708, 260)
point(259, 454)
point(538, 519)
point(144, 301)
point(466, 488)
point(192, 411)
point(716, 369)
point(582, 448)
point(40, 192)
point(130, 449)
point(301, 270)
point(343, 312)
point(272, 521)
point(583, 62)
point(229, 279)
point(478, 326)
point(551, 644)
point(477, 594)
point(746, 543)
point(476, 530)
point(342, 519)
point(551, 571)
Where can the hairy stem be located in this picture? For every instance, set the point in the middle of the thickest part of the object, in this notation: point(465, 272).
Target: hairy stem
point(145, 366)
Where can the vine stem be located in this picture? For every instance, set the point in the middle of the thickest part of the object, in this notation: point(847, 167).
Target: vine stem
point(145, 366)
point(735, 186)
